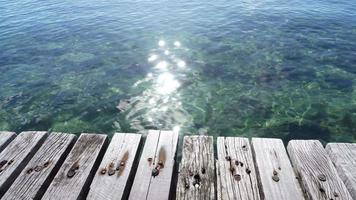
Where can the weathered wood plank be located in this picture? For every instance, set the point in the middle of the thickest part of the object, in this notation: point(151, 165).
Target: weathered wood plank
point(166, 152)
point(276, 176)
point(40, 171)
point(196, 175)
point(236, 174)
point(115, 171)
point(16, 155)
point(154, 172)
point(74, 177)
point(5, 139)
point(343, 155)
point(318, 176)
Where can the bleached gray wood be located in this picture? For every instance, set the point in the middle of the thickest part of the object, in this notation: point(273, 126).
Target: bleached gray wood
point(166, 150)
point(16, 155)
point(110, 183)
point(236, 173)
point(84, 159)
point(343, 155)
point(318, 176)
point(5, 139)
point(39, 172)
point(159, 146)
point(276, 176)
point(196, 177)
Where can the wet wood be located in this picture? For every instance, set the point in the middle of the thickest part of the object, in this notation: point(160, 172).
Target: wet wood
point(236, 174)
point(343, 155)
point(277, 179)
point(112, 179)
point(75, 175)
point(40, 171)
point(319, 178)
point(196, 175)
point(153, 178)
point(5, 139)
point(16, 155)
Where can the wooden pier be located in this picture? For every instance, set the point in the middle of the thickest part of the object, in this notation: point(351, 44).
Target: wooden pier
point(42, 165)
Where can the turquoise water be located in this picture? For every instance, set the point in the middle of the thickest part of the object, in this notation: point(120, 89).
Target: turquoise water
point(269, 68)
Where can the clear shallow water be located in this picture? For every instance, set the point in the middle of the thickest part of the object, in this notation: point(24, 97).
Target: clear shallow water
point(270, 68)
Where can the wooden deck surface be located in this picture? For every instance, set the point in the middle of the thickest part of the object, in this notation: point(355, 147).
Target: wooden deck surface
point(42, 165)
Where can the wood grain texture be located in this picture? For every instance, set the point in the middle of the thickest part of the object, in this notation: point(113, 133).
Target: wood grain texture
point(75, 175)
point(343, 155)
point(277, 179)
point(5, 139)
point(236, 174)
point(36, 177)
point(16, 155)
point(112, 179)
point(160, 147)
point(196, 175)
point(318, 176)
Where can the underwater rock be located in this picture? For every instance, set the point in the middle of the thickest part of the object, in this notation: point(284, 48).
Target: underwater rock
point(298, 74)
point(338, 82)
point(65, 97)
point(77, 57)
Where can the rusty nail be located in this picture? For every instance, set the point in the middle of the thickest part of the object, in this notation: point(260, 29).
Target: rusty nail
point(160, 163)
point(203, 170)
point(122, 163)
point(38, 168)
point(275, 172)
point(322, 177)
point(103, 171)
point(275, 178)
point(46, 164)
point(111, 172)
point(155, 172)
point(244, 147)
point(111, 165)
point(237, 177)
point(2, 163)
point(71, 173)
point(228, 158)
point(29, 171)
point(10, 162)
point(248, 171)
point(186, 186)
point(242, 164)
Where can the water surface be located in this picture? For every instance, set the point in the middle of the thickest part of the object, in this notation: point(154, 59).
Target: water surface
point(269, 68)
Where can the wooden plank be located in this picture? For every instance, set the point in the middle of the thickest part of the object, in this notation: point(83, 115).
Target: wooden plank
point(112, 179)
point(165, 152)
point(153, 178)
point(16, 155)
point(343, 155)
point(5, 139)
point(277, 179)
point(236, 174)
point(40, 171)
point(74, 177)
point(196, 177)
point(318, 176)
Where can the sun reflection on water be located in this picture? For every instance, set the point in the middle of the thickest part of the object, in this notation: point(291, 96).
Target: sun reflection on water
point(159, 106)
